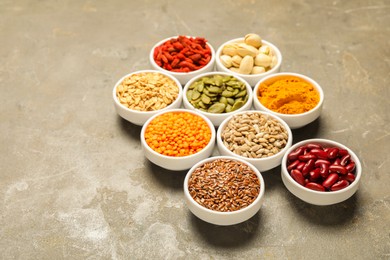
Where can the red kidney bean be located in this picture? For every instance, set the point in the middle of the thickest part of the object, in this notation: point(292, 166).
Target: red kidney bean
point(300, 166)
point(350, 167)
point(330, 180)
point(321, 168)
point(298, 177)
point(333, 152)
point(337, 161)
point(350, 177)
point(345, 159)
point(318, 162)
point(313, 146)
point(308, 167)
point(339, 185)
point(324, 170)
point(294, 154)
point(338, 168)
point(343, 152)
point(321, 154)
point(315, 186)
point(314, 174)
point(306, 157)
point(293, 165)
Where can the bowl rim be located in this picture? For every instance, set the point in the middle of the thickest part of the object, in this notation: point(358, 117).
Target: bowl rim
point(250, 76)
point(294, 74)
point(178, 98)
point(222, 213)
point(255, 160)
point(210, 63)
point(206, 74)
point(328, 142)
point(210, 144)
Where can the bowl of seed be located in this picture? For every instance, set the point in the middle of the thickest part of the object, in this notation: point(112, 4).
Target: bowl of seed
point(249, 57)
point(217, 95)
point(224, 190)
point(257, 137)
point(295, 98)
point(176, 139)
point(141, 94)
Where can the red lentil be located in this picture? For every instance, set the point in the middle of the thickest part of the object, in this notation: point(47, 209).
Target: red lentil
point(177, 134)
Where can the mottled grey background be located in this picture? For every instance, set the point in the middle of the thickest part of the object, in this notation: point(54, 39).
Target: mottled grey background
point(75, 183)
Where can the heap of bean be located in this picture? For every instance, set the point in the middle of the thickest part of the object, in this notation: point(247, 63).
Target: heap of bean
point(254, 135)
point(217, 94)
point(321, 168)
point(224, 185)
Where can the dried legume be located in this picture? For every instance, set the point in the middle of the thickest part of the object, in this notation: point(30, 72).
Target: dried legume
point(224, 185)
point(182, 54)
point(254, 135)
point(147, 91)
point(217, 94)
point(177, 134)
point(321, 168)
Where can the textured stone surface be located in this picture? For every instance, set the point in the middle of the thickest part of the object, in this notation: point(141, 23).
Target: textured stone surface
point(74, 181)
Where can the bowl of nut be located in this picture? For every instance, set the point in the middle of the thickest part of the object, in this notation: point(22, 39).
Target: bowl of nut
point(183, 57)
point(217, 94)
point(141, 94)
point(250, 57)
point(321, 172)
point(257, 137)
point(176, 139)
point(224, 190)
point(295, 98)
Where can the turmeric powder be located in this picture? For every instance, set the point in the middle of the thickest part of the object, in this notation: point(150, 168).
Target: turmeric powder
point(289, 95)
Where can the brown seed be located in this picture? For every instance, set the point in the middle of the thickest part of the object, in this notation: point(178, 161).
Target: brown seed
point(239, 187)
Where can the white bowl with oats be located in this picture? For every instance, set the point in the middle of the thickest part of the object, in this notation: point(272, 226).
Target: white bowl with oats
point(257, 137)
point(224, 190)
point(249, 57)
point(141, 94)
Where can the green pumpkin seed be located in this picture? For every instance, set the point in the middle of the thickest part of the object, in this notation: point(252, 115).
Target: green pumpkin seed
point(231, 101)
point(202, 105)
point(237, 105)
point(195, 95)
point(223, 100)
point(217, 108)
point(205, 99)
point(214, 89)
point(227, 93)
point(228, 108)
point(242, 93)
point(189, 94)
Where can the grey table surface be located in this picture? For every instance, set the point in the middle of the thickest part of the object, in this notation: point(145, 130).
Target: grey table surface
point(75, 183)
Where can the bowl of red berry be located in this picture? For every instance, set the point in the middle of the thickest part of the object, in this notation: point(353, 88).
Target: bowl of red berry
point(321, 171)
point(183, 57)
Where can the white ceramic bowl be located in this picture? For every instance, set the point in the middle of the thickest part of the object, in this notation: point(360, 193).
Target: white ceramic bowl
point(218, 217)
point(254, 78)
point(183, 77)
point(177, 163)
point(293, 120)
point(321, 198)
point(140, 117)
point(215, 118)
point(262, 164)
